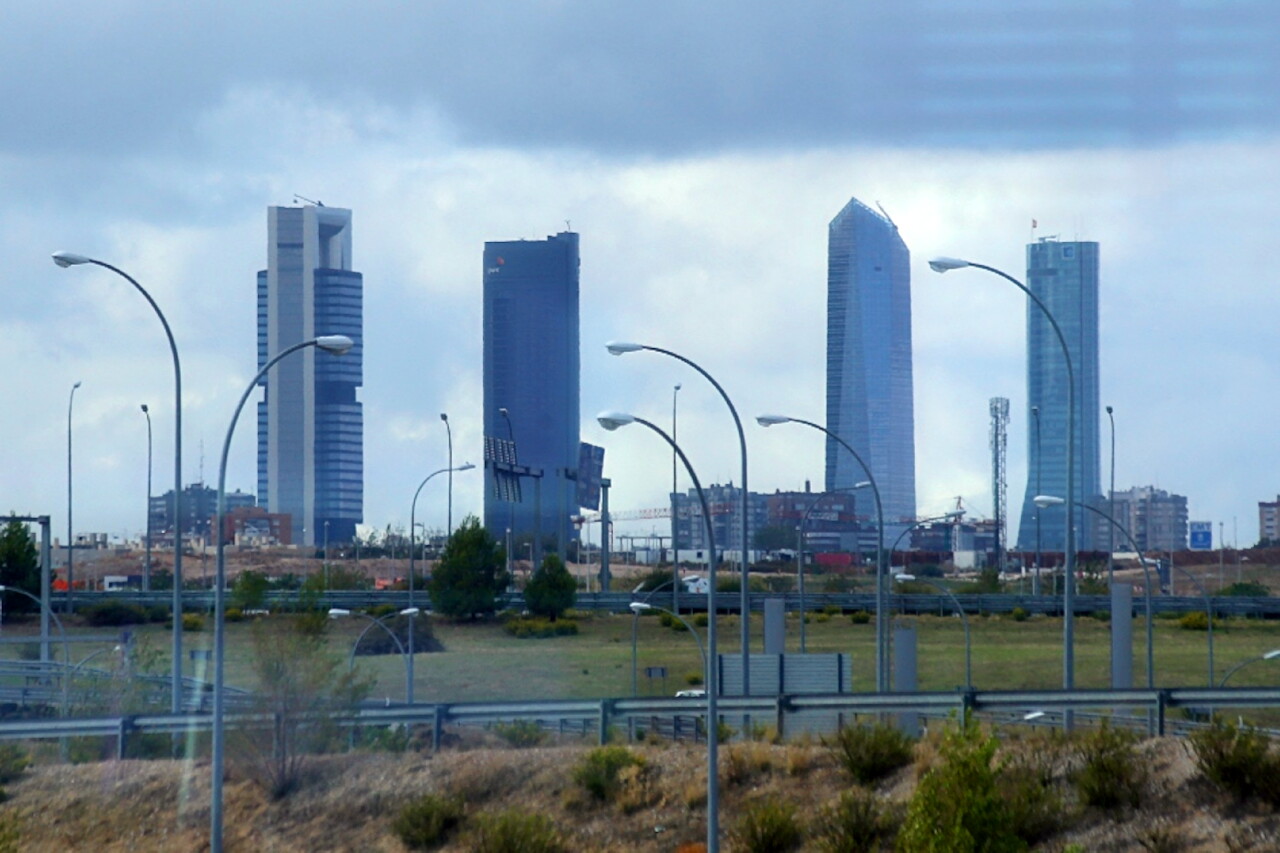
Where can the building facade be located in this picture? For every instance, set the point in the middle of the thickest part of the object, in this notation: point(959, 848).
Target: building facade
point(310, 422)
point(870, 400)
point(1269, 522)
point(1064, 276)
point(199, 504)
point(531, 370)
point(1156, 519)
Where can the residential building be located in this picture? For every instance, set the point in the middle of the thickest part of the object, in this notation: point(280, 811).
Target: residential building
point(310, 424)
point(725, 502)
point(531, 366)
point(1156, 519)
point(1269, 522)
point(1064, 276)
point(830, 520)
point(869, 379)
point(199, 505)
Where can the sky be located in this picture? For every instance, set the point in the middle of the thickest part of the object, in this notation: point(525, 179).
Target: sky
point(700, 150)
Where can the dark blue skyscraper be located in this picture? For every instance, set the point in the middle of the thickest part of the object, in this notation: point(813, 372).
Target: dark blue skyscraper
point(869, 385)
point(1065, 277)
point(531, 365)
point(310, 424)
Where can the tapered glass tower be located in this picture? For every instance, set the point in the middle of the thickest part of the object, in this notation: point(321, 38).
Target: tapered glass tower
point(310, 424)
point(869, 383)
point(1065, 277)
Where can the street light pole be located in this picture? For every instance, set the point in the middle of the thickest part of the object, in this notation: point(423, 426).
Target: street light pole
point(146, 574)
point(621, 348)
point(611, 421)
point(1111, 503)
point(411, 613)
point(638, 607)
point(511, 507)
point(675, 536)
point(941, 265)
point(71, 586)
point(337, 345)
point(1271, 655)
point(882, 657)
point(67, 259)
point(1035, 579)
point(449, 517)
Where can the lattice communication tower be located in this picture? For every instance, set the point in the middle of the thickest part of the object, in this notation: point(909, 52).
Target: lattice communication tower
point(999, 407)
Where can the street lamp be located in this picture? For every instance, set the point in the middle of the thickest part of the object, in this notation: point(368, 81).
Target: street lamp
point(1035, 579)
point(675, 541)
point(337, 345)
point(1111, 503)
point(71, 399)
point(413, 547)
point(511, 507)
point(412, 613)
point(67, 259)
point(146, 575)
point(66, 643)
point(1271, 655)
point(638, 607)
point(964, 617)
point(612, 421)
point(1043, 501)
point(881, 653)
point(449, 517)
point(941, 265)
point(623, 347)
point(804, 636)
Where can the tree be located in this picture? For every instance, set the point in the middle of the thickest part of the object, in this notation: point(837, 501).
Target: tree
point(249, 592)
point(470, 574)
point(552, 590)
point(19, 564)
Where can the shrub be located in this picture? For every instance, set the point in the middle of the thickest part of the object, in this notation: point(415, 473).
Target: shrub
point(113, 614)
point(1197, 620)
point(1035, 809)
point(700, 619)
point(13, 760)
point(769, 826)
point(233, 614)
point(520, 733)
point(516, 832)
point(669, 621)
point(745, 761)
point(856, 823)
point(1019, 614)
point(428, 821)
point(1110, 776)
point(538, 628)
point(693, 679)
point(598, 770)
point(870, 753)
point(552, 590)
point(860, 617)
point(192, 622)
point(1238, 760)
point(957, 807)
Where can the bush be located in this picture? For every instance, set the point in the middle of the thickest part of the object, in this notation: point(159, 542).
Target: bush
point(538, 628)
point(110, 614)
point(192, 622)
point(1019, 614)
point(1197, 620)
point(769, 826)
point(1111, 776)
point(957, 807)
point(552, 590)
point(669, 621)
point(856, 823)
point(428, 821)
point(860, 617)
point(233, 614)
point(693, 679)
point(520, 733)
point(1239, 761)
point(1035, 809)
point(516, 832)
point(598, 770)
point(870, 753)
point(13, 760)
point(700, 619)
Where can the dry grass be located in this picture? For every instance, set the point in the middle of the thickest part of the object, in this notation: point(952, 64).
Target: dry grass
point(349, 801)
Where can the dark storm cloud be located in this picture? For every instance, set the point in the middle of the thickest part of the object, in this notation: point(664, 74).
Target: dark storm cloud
point(655, 78)
point(658, 77)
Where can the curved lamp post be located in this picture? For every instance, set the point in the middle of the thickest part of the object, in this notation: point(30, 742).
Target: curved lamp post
point(1043, 501)
point(964, 617)
point(146, 575)
point(413, 551)
point(71, 549)
point(411, 612)
point(623, 347)
point(1035, 579)
point(882, 657)
point(920, 522)
point(675, 547)
point(638, 607)
point(66, 643)
point(67, 259)
point(941, 265)
point(511, 507)
point(449, 433)
point(804, 519)
point(1111, 502)
point(1271, 655)
point(337, 345)
point(612, 421)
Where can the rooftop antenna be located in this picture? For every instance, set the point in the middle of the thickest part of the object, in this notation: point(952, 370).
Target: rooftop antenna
point(297, 198)
point(886, 215)
point(568, 226)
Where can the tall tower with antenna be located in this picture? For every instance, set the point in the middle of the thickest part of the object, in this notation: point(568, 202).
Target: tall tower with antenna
point(999, 408)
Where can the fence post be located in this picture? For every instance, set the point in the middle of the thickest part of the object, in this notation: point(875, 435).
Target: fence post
point(604, 721)
point(437, 724)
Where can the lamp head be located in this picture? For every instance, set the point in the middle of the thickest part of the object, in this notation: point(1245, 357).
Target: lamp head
point(77, 385)
point(502, 410)
point(444, 416)
point(337, 612)
point(145, 409)
point(1271, 655)
point(1035, 410)
point(636, 606)
point(613, 420)
point(410, 611)
point(944, 264)
point(465, 466)
point(621, 347)
point(70, 259)
point(1046, 501)
point(678, 386)
point(904, 577)
point(772, 420)
point(1109, 410)
point(861, 485)
point(336, 344)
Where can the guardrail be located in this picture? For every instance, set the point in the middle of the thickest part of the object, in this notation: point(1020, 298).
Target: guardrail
point(603, 714)
point(617, 602)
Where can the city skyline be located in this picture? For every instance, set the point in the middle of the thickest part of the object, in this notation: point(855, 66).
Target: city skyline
point(703, 198)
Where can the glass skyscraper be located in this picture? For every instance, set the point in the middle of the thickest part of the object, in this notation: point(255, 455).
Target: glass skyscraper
point(310, 424)
point(531, 366)
point(1065, 277)
point(869, 384)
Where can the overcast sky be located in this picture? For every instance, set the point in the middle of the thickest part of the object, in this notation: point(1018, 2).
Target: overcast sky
point(700, 150)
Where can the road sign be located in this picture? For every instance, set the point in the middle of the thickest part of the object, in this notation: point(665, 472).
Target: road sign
point(1201, 535)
